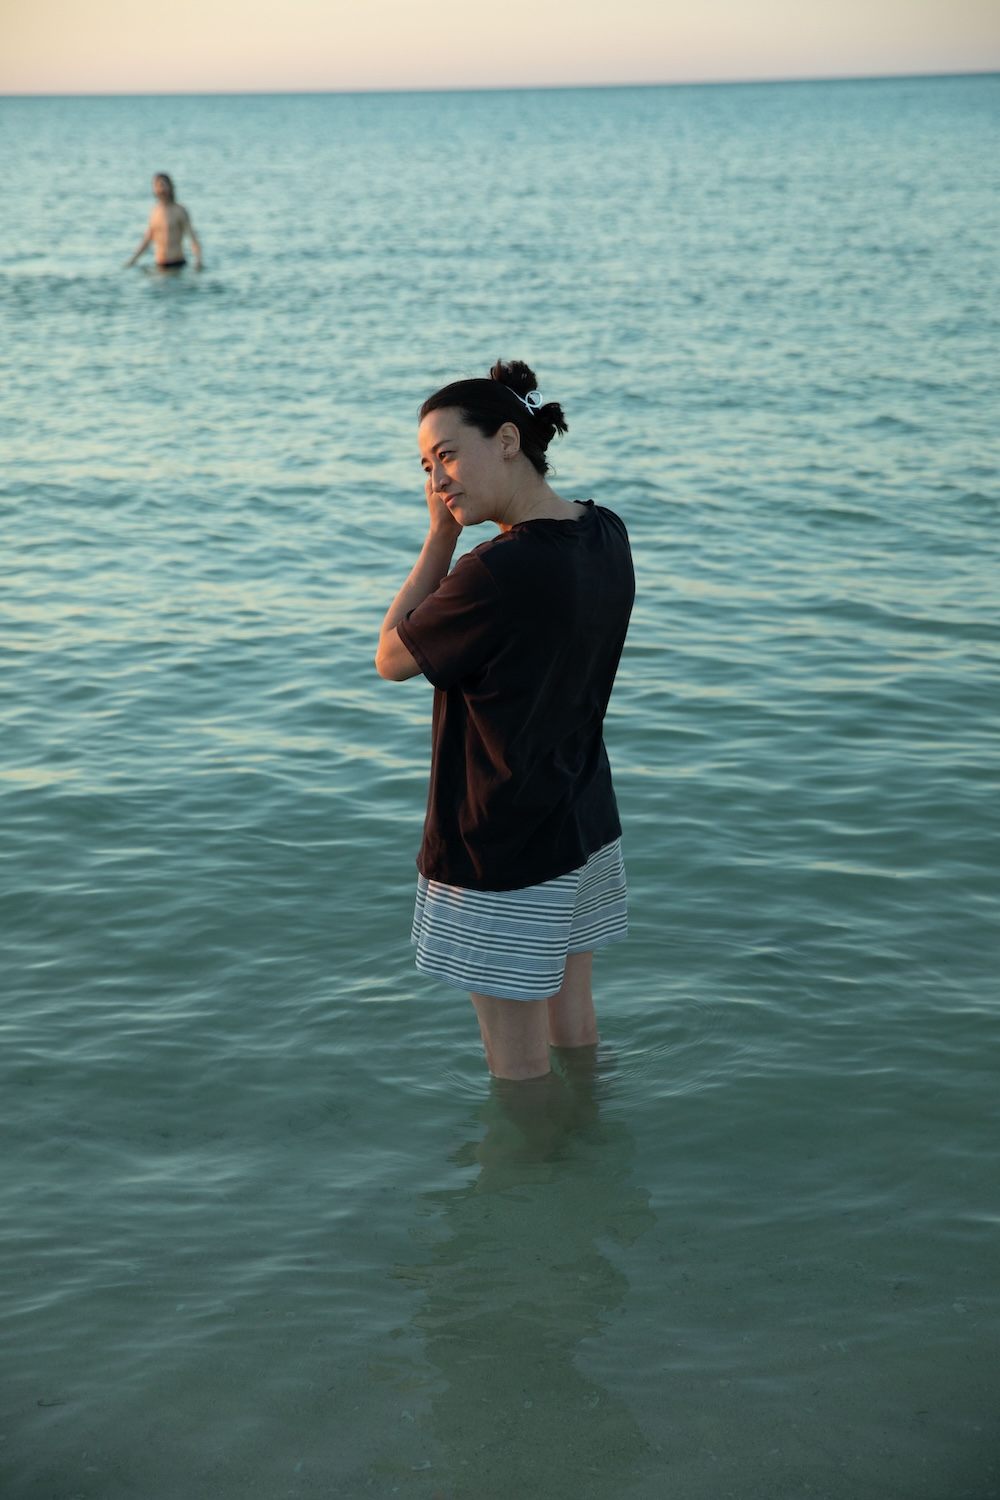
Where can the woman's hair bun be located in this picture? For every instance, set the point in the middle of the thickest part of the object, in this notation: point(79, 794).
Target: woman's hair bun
point(522, 380)
point(514, 373)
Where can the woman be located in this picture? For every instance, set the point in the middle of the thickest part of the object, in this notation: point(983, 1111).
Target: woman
point(520, 871)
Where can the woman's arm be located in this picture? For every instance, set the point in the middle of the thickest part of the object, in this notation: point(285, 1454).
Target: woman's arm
point(392, 660)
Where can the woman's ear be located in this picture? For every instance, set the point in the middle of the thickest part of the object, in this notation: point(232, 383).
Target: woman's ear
point(510, 440)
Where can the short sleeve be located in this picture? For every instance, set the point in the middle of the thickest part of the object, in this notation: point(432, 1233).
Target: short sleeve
point(456, 631)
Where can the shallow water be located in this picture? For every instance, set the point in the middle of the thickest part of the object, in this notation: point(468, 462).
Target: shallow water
point(268, 1229)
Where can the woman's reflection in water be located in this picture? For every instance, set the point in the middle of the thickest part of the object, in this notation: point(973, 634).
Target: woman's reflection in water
point(519, 1282)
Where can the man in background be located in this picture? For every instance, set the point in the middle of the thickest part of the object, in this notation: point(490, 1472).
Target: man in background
point(168, 224)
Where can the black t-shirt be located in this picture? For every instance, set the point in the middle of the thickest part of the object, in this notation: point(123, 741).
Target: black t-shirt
point(521, 642)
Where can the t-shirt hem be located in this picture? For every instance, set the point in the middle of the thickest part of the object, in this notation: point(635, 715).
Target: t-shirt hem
point(552, 872)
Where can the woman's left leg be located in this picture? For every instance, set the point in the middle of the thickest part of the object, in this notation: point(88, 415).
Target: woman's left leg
point(515, 1035)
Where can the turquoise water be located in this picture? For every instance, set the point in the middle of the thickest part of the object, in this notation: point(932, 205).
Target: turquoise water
point(267, 1228)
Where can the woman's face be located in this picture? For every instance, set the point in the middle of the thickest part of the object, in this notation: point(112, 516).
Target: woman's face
point(469, 473)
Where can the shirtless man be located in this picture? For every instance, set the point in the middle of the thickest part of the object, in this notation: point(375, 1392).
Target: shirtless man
point(168, 224)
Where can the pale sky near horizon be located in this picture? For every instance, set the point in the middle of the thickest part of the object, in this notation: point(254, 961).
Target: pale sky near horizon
point(219, 46)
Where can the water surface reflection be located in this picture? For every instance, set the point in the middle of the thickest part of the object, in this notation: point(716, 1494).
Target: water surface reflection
point(526, 1268)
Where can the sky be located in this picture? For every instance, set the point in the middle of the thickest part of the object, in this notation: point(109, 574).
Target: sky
point(220, 46)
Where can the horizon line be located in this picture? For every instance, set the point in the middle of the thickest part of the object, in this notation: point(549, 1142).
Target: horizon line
point(502, 88)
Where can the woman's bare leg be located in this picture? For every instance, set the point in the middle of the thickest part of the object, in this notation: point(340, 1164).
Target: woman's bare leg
point(572, 1022)
point(515, 1036)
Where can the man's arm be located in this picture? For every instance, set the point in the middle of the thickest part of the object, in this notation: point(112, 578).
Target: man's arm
point(392, 660)
point(147, 239)
point(194, 240)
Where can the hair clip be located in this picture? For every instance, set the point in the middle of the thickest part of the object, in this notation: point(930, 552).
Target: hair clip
point(533, 400)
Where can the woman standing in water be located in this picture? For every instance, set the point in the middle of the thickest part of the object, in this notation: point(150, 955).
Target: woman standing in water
point(520, 868)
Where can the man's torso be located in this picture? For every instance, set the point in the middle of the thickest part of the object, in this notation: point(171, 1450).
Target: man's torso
point(168, 222)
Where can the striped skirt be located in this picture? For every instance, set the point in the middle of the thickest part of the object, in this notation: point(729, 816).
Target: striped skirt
point(513, 944)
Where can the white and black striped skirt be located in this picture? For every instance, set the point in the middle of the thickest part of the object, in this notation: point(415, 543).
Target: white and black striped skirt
point(513, 944)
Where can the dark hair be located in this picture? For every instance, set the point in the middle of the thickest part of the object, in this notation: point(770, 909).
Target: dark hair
point(164, 177)
point(487, 404)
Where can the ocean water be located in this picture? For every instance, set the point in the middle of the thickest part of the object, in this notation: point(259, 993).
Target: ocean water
point(267, 1227)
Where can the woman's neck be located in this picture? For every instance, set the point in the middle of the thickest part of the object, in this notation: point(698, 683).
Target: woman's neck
point(536, 502)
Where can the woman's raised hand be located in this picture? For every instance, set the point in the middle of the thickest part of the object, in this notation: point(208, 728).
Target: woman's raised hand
point(441, 517)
